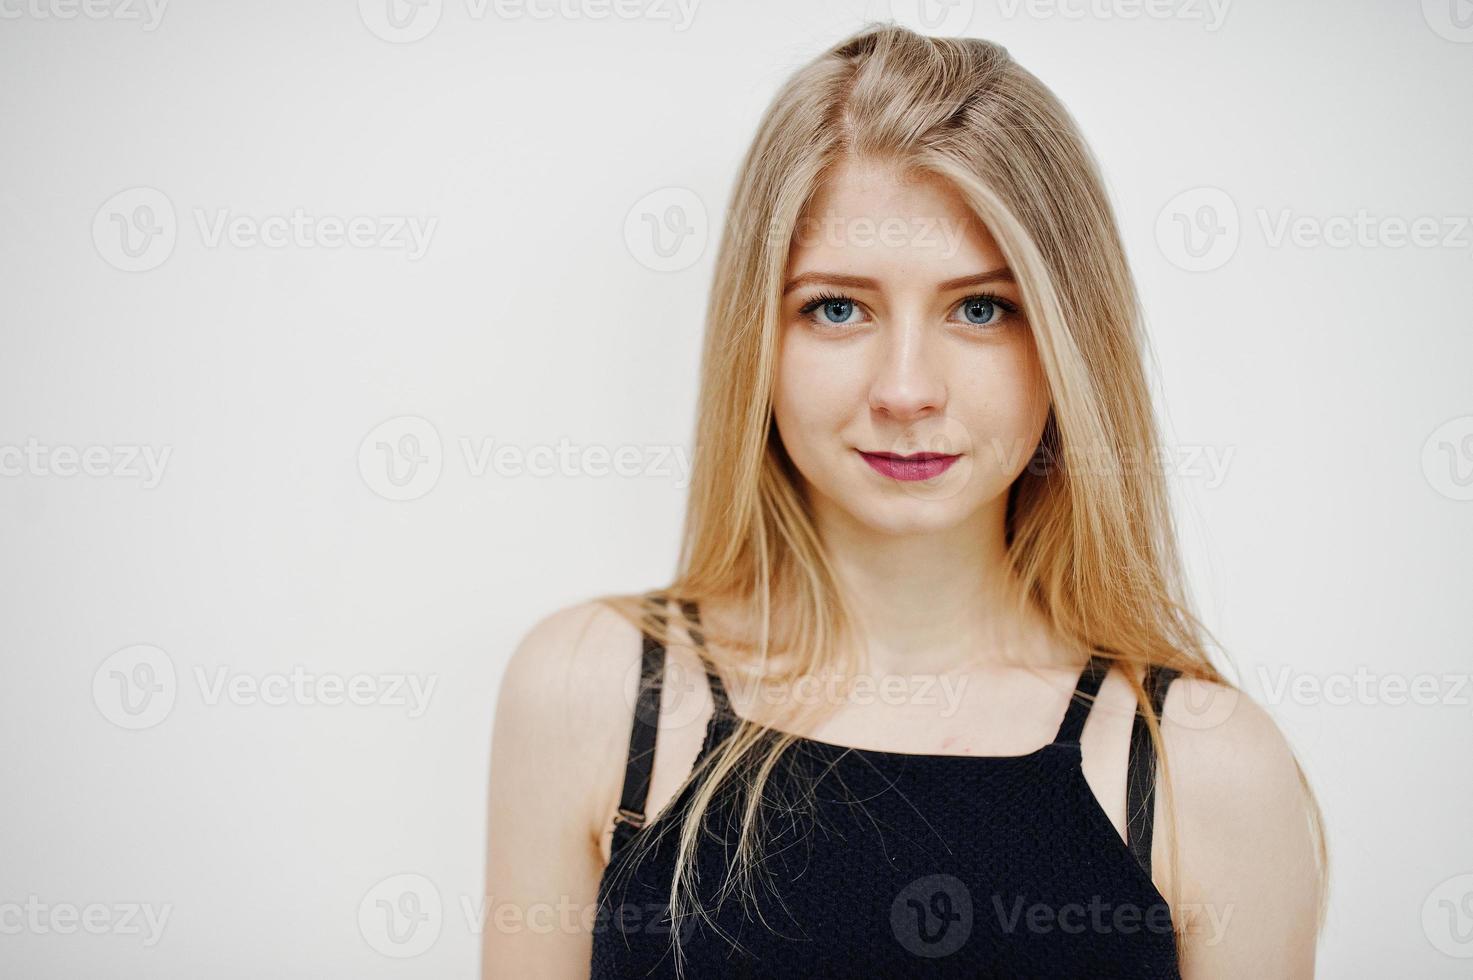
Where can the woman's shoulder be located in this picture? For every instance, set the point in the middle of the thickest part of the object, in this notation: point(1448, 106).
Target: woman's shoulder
point(572, 677)
point(1215, 728)
point(1230, 750)
point(567, 703)
point(1245, 816)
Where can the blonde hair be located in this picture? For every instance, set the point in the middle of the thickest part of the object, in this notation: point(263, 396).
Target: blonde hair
point(1092, 546)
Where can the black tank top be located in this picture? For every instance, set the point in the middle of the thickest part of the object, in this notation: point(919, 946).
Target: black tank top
point(887, 864)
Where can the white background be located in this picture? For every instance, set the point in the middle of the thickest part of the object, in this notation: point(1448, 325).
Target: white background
point(1335, 382)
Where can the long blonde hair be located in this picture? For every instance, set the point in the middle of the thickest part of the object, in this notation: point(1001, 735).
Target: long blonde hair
point(1092, 546)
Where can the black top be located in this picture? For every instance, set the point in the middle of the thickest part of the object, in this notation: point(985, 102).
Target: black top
point(892, 864)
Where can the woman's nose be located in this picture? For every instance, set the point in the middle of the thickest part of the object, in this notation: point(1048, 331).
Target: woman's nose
point(908, 382)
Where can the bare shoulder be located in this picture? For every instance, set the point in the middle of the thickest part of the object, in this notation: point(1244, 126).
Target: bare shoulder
point(566, 697)
point(571, 662)
point(1245, 829)
point(1229, 756)
point(554, 748)
point(570, 680)
point(566, 709)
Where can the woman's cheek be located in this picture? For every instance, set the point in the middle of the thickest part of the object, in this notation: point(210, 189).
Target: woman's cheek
point(813, 376)
point(814, 398)
point(1019, 407)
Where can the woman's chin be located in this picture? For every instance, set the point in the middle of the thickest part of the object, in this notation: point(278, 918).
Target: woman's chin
point(909, 516)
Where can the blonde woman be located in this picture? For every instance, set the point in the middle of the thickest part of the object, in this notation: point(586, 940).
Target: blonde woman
point(926, 661)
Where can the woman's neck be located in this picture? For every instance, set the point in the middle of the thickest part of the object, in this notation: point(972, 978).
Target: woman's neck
point(934, 602)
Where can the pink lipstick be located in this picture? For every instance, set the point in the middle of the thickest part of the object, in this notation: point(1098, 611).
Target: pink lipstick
point(916, 466)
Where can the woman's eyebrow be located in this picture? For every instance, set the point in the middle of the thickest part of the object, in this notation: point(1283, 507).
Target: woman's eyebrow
point(830, 279)
point(1003, 274)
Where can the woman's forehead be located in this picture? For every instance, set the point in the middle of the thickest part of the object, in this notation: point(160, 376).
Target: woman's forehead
point(878, 229)
point(874, 219)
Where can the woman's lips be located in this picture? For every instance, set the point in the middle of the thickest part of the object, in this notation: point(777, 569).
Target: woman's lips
point(916, 466)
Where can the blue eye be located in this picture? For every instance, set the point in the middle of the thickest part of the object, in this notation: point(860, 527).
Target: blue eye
point(838, 310)
point(979, 310)
point(985, 310)
point(832, 310)
point(835, 311)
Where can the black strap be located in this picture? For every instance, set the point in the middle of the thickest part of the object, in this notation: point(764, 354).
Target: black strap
point(1085, 692)
point(1140, 799)
point(718, 689)
point(641, 761)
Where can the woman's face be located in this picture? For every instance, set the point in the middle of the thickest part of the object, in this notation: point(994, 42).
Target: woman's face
point(904, 336)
